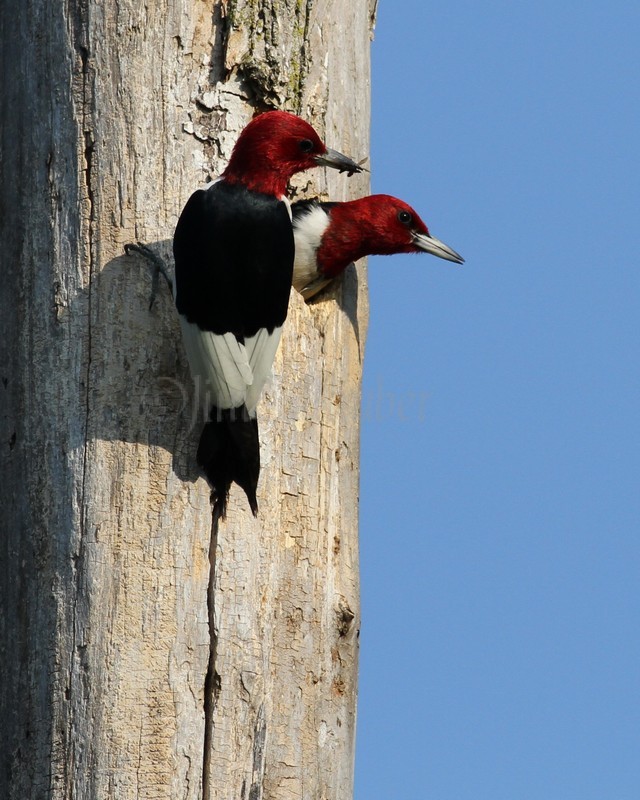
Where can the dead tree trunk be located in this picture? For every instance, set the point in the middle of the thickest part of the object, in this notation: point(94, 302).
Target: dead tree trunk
point(112, 114)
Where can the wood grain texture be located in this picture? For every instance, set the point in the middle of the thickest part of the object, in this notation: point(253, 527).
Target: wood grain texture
point(112, 115)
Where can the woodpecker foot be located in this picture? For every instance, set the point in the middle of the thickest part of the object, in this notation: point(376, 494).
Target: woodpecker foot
point(160, 268)
point(315, 287)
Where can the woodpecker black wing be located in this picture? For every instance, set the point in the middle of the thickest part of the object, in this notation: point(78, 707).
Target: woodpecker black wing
point(234, 258)
point(234, 255)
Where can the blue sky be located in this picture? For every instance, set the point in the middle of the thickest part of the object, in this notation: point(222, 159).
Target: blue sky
point(500, 511)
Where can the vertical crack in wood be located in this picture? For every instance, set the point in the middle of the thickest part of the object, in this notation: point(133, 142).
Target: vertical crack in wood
point(304, 59)
point(85, 98)
point(88, 158)
point(259, 742)
point(220, 25)
point(212, 678)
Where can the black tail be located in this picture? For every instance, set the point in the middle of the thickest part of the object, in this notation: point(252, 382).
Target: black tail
point(229, 451)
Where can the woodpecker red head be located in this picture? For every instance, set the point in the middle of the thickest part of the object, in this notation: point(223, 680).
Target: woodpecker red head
point(330, 236)
point(234, 252)
point(275, 146)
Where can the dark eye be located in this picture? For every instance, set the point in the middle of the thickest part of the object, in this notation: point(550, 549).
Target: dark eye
point(306, 145)
point(405, 217)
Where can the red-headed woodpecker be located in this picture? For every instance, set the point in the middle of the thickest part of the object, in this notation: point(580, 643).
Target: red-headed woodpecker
point(329, 236)
point(234, 252)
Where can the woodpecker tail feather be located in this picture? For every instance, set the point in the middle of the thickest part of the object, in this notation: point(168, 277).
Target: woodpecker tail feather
point(229, 451)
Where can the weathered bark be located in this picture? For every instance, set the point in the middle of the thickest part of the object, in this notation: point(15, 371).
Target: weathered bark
point(112, 114)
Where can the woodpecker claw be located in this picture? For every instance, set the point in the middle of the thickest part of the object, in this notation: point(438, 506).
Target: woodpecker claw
point(159, 267)
point(312, 289)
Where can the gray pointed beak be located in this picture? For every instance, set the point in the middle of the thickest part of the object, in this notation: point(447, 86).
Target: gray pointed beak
point(437, 248)
point(332, 158)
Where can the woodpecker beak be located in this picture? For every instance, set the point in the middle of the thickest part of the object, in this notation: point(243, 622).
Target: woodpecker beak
point(332, 158)
point(437, 248)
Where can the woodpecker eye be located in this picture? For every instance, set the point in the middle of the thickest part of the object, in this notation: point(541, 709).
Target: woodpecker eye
point(405, 217)
point(306, 145)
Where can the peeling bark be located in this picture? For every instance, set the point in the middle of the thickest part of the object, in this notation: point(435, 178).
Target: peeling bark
point(112, 115)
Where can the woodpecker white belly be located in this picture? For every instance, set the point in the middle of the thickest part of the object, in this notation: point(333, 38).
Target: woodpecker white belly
point(310, 223)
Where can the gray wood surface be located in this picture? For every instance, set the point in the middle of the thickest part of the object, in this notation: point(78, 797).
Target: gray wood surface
point(112, 114)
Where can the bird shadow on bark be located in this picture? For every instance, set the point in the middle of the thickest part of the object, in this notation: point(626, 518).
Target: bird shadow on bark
point(140, 389)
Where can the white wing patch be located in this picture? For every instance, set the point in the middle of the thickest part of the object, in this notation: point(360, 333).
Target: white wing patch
point(308, 230)
point(219, 366)
point(261, 350)
point(225, 372)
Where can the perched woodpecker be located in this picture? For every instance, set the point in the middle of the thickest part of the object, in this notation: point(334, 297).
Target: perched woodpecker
point(234, 252)
point(329, 236)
